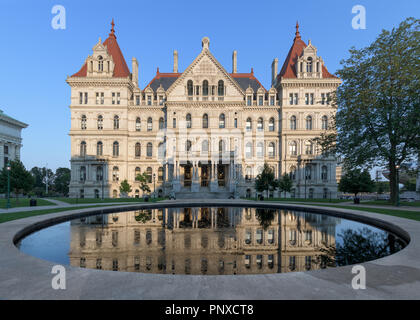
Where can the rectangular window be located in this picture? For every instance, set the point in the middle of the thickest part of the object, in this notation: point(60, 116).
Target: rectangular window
point(6, 149)
point(174, 122)
point(306, 98)
point(272, 101)
point(296, 98)
point(80, 97)
point(102, 98)
point(260, 100)
point(113, 98)
point(328, 98)
point(235, 122)
point(312, 99)
point(137, 100)
point(149, 100)
point(136, 236)
point(97, 97)
point(86, 97)
point(249, 100)
point(160, 100)
point(118, 98)
point(322, 98)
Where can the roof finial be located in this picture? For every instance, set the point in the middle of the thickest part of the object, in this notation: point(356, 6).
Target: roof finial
point(112, 29)
point(297, 34)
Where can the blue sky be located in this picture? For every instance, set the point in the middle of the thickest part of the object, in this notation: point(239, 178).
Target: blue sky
point(35, 59)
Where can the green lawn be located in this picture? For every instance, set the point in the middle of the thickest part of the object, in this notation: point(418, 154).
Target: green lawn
point(23, 202)
point(302, 200)
point(387, 203)
point(107, 200)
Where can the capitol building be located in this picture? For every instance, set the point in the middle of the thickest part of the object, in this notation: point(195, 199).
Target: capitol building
point(203, 132)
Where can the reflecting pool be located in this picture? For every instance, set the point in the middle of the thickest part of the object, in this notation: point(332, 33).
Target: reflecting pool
point(210, 241)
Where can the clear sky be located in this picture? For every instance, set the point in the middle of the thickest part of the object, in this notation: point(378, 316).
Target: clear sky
point(35, 59)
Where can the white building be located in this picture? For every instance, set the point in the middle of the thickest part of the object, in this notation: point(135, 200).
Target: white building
point(201, 131)
point(10, 138)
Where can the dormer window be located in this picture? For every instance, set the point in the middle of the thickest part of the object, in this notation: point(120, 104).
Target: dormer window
point(249, 100)
point(100, 64)
point(260, 100)
point(309, 65)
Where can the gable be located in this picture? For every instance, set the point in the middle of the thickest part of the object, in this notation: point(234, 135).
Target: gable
point(205, 67)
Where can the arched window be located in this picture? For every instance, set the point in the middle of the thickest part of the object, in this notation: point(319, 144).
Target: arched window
point(161, 123)
point(149, 174)
point(271, 125)
point(83, 149)
point(83, 122)
point(149, 151)
point(293, 123)
point(260, 150)
point(205, 146)
point(293, 148)
point(190, 87)
point(292, 173)
point(137, 150)
point(161, 151)
point(100, 64)
point(83, 173)
point(116, 122)
point(309, 65)
point(188, 119)
point(100, 122)
point(271, 150)
point(205, 121)
point(116, 149)
point(248, 150)
point(188, 146)
point(136, 172)
point(248, 124)
point(138, 124)
point(99, 148)
point(260, 124)
point(324, 173)
point(324, 122)
point(308, 123)
point(149, 124)
point(221, 88)
point(114, 193)
point(115, 174)
point(222, 121)
point(205, 88)
point(308, 147)
point(160, 174)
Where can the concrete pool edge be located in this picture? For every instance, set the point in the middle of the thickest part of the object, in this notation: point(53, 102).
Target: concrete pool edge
point(26, 277)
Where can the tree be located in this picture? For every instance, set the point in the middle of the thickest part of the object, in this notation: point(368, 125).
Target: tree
point(285, 184)
point(378, 114)
point(142, 178)
point(42, 176)
point(62, 181)
point(125, 188)
point(265, 180)
point(21, 181)
point(355, 181)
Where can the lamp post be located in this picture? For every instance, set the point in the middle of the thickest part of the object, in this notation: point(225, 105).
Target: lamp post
point(299, 161)
point(154, 185)
point(398, 187)
point(8, 168)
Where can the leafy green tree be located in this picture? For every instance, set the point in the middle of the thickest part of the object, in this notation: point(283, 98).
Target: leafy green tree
point(378, 113)
point(21, 181)
point(265, 181)
point(355, 181)
point(62, 181)
point(42, 176)
point(143, 178)
point(265, 217)
point(285, 184)
point(125, 188)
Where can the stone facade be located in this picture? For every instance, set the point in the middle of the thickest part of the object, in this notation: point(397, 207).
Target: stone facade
point(203, 130)
point(10, 139)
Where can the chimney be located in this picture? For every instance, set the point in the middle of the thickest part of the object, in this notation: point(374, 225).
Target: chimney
point(175, 61)
point(234, 62)
point(135, 71)
point(274, 71)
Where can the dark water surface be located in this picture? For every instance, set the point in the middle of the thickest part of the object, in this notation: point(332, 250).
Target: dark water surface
point(210, 241)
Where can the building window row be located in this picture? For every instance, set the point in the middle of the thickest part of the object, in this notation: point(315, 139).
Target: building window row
point(308, 123)
point(205, 89)
point(325, 99)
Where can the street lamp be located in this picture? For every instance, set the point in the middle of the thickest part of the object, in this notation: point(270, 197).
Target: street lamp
point(299, 161)
point(398, 187)
point(8, 168)
point(154, 185)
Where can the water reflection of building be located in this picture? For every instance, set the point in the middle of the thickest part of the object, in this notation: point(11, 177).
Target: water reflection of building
point(202, 241)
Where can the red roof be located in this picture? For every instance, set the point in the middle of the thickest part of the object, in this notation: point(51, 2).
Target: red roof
point(120, 66)
point(289, 67)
